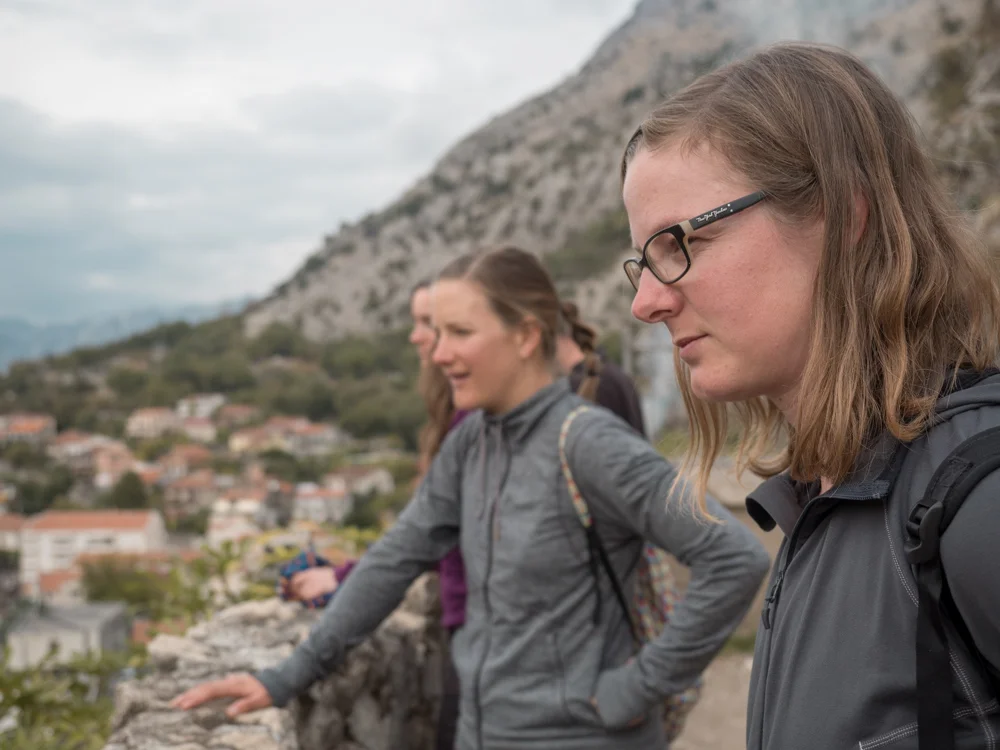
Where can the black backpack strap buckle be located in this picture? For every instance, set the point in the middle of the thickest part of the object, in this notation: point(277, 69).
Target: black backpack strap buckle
point(923, 531)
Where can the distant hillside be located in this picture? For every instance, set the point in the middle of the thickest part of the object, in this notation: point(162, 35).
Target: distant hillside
point(22, 340)
point(545, 174)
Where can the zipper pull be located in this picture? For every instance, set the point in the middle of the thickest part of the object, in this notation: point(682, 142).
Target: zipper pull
point(767, 615)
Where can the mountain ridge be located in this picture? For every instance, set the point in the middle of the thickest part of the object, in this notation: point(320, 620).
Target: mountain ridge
point(544, 175)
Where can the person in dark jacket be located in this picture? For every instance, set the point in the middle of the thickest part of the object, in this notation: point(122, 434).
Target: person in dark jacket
point(540, 665)
point(590, 374)
point(792, 236)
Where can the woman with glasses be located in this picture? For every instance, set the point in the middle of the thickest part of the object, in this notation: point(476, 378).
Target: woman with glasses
point(828, 290)
point(546, 657)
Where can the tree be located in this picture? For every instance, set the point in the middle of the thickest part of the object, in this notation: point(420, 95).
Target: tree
point(127, 382)
point(25, 456)
point(34, 496)
point(280, 339)
point(129, 493)
point(364, 513)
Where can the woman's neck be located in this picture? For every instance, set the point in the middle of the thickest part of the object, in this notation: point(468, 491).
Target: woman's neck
point(526, 386)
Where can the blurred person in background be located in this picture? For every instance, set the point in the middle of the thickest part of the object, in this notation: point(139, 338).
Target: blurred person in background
point(313, 581)
point(590, 373)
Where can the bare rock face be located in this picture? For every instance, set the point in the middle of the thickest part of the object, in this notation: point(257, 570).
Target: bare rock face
point(384, 696)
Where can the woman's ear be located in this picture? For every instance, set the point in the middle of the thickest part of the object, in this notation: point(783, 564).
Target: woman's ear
point(529, 338)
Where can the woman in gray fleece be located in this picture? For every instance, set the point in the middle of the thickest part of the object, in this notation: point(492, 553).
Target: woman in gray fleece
point(537, 668)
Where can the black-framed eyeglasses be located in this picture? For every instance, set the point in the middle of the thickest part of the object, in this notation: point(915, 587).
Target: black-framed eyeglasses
point(667, 255)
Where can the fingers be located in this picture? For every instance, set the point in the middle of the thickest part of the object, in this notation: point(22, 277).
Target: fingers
point(207, 691)
point(197, 695)
point(242, 706)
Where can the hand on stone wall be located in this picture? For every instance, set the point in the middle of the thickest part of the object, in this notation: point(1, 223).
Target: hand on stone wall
point(249, 693)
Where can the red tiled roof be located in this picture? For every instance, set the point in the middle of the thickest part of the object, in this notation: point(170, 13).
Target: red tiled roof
point(28, 424)
point(11, 521)
point(246, 493)
point(150, 474)
point(152, 412)
point(68, 437)
point(187, 454)
point(53, 582)
point(81, 520)
point(199, 480)
point(235, 410)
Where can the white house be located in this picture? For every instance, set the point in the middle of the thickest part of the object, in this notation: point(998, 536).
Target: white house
point(52, 541)
point(200, 406)
point(361, 480)
point(321, 504)
point(35, 429)
point(10, 532)
point(151, 423)
point(201, 429)
point(73, 630)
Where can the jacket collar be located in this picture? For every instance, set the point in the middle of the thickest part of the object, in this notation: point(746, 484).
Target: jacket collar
point(519, 422)
point(779, 500)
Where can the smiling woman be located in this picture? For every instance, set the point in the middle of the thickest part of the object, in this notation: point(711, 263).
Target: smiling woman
point(546, 657)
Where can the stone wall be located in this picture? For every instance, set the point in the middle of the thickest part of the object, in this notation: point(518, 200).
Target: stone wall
point(384, 696)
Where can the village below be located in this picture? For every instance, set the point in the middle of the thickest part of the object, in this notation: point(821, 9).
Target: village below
point(121, 519)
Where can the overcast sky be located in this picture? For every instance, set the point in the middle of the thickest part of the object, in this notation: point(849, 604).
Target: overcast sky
point(161, 153)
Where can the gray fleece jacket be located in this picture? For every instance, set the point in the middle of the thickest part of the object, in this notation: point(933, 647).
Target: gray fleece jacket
point(835, 663)
point(530, 657)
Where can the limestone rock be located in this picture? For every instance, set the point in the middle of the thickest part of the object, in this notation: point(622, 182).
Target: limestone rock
point(384, 695)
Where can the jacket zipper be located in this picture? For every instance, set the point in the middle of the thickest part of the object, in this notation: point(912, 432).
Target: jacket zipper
point(771, 600)
point(489, 620)
point(769, 612)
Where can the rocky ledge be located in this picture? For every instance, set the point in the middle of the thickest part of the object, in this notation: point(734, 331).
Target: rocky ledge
point(384, 696)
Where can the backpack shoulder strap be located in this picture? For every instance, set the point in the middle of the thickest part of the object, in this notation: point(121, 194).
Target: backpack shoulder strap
point(950, 485)
point(598, 554)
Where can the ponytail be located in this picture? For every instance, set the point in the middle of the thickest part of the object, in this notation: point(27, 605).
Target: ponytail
point(585, 338)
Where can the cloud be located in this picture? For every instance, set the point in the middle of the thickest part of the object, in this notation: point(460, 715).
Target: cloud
point(192, 152)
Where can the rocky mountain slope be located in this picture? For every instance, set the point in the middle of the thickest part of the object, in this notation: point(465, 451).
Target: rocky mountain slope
point(545, 174)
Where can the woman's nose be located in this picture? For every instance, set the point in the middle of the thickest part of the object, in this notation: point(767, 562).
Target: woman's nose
point(654, 301)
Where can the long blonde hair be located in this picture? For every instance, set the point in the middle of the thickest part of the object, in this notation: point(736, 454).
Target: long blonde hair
point(895, 312)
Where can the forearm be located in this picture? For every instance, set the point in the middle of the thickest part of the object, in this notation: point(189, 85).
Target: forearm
point(375, 587)
point(727, 568)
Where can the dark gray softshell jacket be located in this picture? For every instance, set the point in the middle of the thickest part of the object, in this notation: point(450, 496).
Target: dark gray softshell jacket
point(530, 657)
point(835, 661)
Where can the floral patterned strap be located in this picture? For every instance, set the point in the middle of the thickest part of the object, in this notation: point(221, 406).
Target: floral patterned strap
point(574, 491)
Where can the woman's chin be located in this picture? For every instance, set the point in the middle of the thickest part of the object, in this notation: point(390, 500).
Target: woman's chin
point(708, 386)
point(464, 400)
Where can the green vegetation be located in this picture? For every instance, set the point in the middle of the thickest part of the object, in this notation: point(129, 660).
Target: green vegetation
point(38, 493)
point(53, 703)
point(24, 456)
point(180, 593)
point(128, 494)
point(288, 468)
point(591, 250)
point(365, 383)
